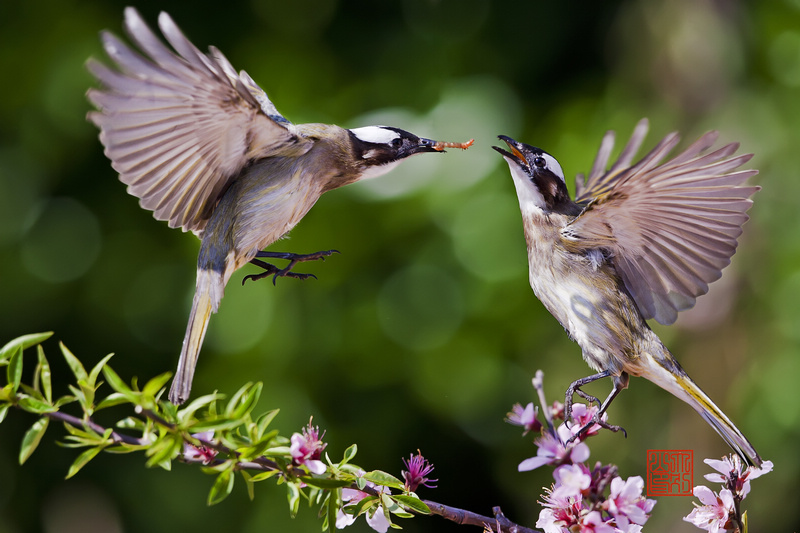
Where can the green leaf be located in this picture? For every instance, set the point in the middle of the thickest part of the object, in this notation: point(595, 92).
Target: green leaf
point(364, 505)
point(264, 421)
point(258, 449)
point(349, 453)
point(222, 487)
point(152, 387)
point(111, 400)
point(44, 373)
point(14, 370)
point(294, 498)
point(380, 477)
point(32, 438)
point(116, 383)
point(24, 342)
point(32, 405)
point(4, 411)
point(248, 481)
point(164, 449)
point(413, 503)
point(79, 395)
point(64, 400)
point(261, 476)
point(92, 380)
point(387, 507)
point(332, 507)
point(215, 425)
point(244, 400)
point(74, 364)
point(82, 459)
point(198, 403)
point(324, 483)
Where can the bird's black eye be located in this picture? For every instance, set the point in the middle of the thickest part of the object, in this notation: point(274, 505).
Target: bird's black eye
point(397, 142)
point(540, 162)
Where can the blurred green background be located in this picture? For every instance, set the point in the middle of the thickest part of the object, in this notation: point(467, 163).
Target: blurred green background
point(424, 331)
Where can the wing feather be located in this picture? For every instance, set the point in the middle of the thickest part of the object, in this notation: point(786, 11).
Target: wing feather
point(179, 125)
point(669, 226)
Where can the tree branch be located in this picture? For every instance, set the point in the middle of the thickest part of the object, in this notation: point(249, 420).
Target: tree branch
point(499, 523)
point(74, 421)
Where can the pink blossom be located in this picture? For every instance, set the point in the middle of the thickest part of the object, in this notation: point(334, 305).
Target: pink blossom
point(525, 417)
point(593, 522)
point(734, 475)
point(626, 503)
point(376, 519)
point(583, 415)
point(200, 453)
point(418, 469)
point(557, 410)
point(560, 512)
point(715, 513)
point(571, 480)
point(552, 450)
point(306, 449)
point(549, 522)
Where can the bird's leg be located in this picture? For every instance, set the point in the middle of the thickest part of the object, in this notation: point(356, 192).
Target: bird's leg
point(620, 383)
point(275, 272)
point(575, 388)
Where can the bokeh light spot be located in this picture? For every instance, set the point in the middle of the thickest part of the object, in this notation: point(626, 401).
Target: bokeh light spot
point(784, 55)
point(488, 239)
point(420, 307)
point(243, 318)
point(153, 294)
point(62, 242)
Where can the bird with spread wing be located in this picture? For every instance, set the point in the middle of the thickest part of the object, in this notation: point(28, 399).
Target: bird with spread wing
point(640, 241)
point(205, 149)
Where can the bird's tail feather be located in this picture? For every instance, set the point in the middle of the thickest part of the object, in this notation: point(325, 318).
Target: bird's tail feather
point(205, 302)
point(675, 380)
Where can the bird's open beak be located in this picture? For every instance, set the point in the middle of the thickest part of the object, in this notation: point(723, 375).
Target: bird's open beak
point(515, 154)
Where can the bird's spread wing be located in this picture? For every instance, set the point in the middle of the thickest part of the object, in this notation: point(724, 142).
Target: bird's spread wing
point(670, 228)
point(178, 127)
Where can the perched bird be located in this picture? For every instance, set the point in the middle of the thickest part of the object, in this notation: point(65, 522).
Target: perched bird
point(204, 148)
point(641, 241)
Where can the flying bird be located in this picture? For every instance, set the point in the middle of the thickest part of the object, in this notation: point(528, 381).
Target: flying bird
point(205, 149)
point(640, 241)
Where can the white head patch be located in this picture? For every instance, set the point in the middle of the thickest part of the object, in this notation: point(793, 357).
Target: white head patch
point(527, 193)
point(553, 166)
point(375, 134)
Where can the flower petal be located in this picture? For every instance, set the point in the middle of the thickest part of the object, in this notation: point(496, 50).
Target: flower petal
point(378, 521)
point(705, 495)
point(532, 463)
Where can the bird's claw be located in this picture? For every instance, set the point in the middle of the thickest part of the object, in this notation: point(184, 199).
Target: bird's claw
point(596, 420)
point(568, 401)
point(275, 272)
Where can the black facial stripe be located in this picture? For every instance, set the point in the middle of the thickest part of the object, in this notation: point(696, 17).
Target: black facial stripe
point(551, 187)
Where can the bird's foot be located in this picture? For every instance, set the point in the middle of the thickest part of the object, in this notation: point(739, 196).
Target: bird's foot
point(575, 388)
point(275, 272)
point(597, 421)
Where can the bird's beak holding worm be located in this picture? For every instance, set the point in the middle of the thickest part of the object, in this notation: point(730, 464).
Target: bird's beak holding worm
point(428, 145)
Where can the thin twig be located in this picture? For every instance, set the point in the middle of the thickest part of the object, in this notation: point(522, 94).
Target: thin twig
point(74, 421)
point(538, 384)
point(463, 517)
